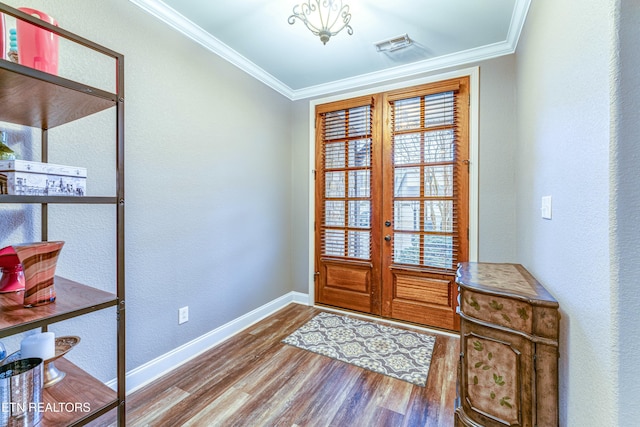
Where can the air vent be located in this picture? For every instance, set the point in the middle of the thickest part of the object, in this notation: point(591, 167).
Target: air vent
point(393, 44)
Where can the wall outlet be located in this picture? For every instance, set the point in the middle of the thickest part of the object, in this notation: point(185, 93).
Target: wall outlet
point(183, 315)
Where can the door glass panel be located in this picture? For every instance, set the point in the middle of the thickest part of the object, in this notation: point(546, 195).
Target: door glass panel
point(334, 184)
point(438, 181)
point(359, 183)
point(438, 146)
point(334, 125)
point(406, 149)
point(407, 114)
point(334, 155)
point(406, 215)
point(438, 215)
point(424, 154)
point(407, 182)
point(359, 121)
point(438, 251)
point(360, 153)
point(406, 248)
point(334, 213)
point(346, 220)
point(359, 244)
point(438, 109)
point(334, 242)
point(359, 214)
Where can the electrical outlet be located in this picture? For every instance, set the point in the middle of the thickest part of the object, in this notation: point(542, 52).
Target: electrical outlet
point(183, 315)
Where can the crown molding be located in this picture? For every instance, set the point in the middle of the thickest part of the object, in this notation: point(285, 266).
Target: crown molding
point(518, 18)
point(409, 70)
point(183, 25)
point(177, 21)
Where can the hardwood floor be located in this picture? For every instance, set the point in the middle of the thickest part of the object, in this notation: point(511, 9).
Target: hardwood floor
point(253, 379)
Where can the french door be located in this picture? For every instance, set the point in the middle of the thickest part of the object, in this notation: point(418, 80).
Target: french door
point(392, 202)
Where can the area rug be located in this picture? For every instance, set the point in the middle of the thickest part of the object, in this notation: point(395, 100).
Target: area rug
point(398, 353)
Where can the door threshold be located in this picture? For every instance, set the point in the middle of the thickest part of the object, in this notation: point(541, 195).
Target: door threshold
point(411, 325)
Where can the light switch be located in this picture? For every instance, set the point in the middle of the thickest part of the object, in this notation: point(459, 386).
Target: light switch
point(546, 207)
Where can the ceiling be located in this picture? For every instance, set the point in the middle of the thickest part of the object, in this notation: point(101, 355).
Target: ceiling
point(255, 35)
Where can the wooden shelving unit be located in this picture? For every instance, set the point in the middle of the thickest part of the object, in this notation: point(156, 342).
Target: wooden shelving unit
point(40, 100)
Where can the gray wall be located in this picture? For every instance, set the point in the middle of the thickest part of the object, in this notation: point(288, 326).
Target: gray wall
point(564, 80)
point(625, 208)
point(208, 185)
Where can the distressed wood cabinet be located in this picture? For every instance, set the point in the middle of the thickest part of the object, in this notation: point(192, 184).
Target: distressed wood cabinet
point(508, 372)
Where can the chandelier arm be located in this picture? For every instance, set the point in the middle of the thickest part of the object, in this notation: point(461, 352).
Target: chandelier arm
point(346, 17)
point(321, 24)
point(302, 11)
point(328, 4)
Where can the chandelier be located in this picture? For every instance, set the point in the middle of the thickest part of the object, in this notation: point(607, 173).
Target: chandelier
point(321, 16)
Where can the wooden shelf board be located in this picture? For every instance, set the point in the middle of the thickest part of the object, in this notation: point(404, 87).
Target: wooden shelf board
point(77, 396)
point(33, 98)
point(72, 299)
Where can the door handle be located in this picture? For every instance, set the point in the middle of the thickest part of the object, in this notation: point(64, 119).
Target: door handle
point(387, 238)
point(387, 223)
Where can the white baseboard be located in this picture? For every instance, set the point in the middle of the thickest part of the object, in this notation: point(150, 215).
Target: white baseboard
point(146, 373)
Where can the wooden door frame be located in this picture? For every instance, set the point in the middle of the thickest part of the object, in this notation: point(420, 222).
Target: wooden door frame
point(474, 79)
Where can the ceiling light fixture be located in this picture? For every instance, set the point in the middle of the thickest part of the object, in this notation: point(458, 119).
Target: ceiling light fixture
point(320, 16)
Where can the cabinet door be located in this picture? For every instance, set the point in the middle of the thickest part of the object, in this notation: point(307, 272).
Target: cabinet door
point(496, 376)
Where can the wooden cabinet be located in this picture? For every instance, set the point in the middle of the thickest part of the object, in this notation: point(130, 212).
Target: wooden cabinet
point(36, 99)
point(508, 372)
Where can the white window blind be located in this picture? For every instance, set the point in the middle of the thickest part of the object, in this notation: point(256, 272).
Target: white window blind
point(345, 221)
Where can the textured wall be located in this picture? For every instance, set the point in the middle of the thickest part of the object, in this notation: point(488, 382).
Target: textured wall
point(625, 208)
point(208, 178)
point(563, 105)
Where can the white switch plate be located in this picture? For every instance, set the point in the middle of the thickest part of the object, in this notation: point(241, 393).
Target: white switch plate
point(546, 207)
point(183, 315)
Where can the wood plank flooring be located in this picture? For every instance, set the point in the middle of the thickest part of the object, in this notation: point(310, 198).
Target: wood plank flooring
point(253, 379)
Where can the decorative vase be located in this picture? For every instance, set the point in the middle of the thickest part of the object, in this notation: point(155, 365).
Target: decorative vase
point(12, 279)
point(3, 46)
point(37, 47)
point(21, 384)
point(38, 262)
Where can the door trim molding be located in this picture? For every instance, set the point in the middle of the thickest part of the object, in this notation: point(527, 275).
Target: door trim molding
point(474, 92)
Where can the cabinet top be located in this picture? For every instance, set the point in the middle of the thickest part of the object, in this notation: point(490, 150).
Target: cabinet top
point(510, 280)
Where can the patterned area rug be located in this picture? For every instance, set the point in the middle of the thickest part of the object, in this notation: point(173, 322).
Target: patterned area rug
point(398, 353)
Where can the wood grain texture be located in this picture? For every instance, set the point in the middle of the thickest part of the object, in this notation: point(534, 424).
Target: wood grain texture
point(45, 100)
point(72, 298)
point(75, 397)
point(253, 379)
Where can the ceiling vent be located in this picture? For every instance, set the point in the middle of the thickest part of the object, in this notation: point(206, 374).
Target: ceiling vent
point(393, 44)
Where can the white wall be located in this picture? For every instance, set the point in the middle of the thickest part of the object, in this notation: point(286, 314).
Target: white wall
point(563, 105)
point(208, 177)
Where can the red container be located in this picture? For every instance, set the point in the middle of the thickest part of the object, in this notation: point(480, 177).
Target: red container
point(3, 46)
point(37, 48)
